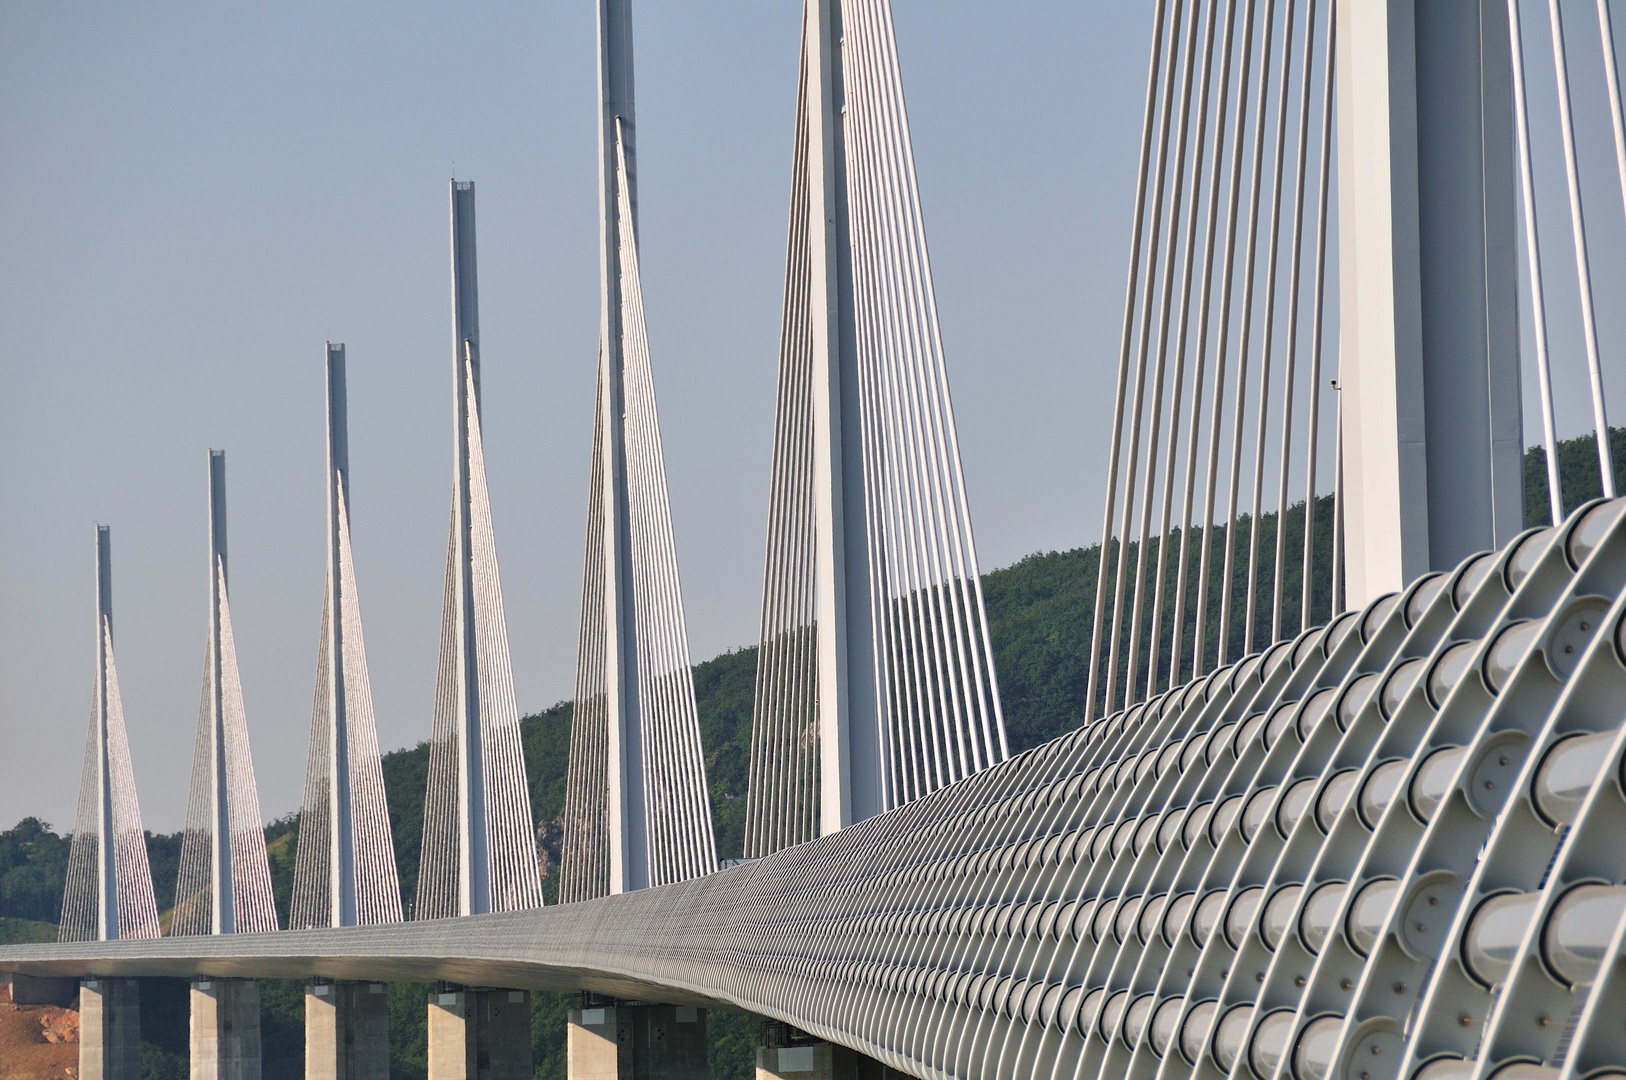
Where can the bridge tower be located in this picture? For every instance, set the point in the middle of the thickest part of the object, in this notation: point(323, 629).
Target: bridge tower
point(479, 840)
point(875, 678)
point(224, 885)
point(108, 893)
point(479, 845)
point(1428, 229)
point(636, 811)
point(344, 872)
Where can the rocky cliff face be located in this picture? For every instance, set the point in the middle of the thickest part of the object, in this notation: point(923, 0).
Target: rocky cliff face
point(38, 1042)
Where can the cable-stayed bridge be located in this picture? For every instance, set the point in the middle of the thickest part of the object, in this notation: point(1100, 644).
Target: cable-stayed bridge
point(1353, 840)
point(1353, 817)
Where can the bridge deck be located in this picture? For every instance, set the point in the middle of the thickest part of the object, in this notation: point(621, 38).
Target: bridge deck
point(1289, 857)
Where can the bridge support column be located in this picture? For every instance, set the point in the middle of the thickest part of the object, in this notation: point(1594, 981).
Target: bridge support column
point(225, 1029)
point(347, 1032)
point(479, 1034)
point(637, 1042)
point(110, 1029)
point(818, 1060)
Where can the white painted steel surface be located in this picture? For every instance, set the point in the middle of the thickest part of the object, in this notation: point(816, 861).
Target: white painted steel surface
point(1432, 113)
point(875, 678)
point(224, 884)
point(344, 869)
point(636, 809)
point(108, 890)
point(479, 842)
point(1429, 260)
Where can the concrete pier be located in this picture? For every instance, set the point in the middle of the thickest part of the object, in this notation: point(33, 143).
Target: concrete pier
point(637, 1042)
point(347, 1031)
point(479, 1034)
point(110, 1029)
point(225, 1029)
point(818, 1060)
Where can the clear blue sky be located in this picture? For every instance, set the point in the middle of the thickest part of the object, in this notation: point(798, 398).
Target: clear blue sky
point(203, 194)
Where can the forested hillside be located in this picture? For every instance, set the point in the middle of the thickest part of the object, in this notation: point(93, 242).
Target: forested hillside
point(1039, 611)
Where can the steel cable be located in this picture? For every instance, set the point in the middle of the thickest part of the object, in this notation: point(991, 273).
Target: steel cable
point(1222, 347)
point(1312, 440)
point(1126, 342)
point(1296, 246)
point(1154, 236)
point(1532, 245)
point(1268, 336)
point(1583, 264)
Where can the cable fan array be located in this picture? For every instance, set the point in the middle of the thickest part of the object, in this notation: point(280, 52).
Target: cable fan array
point(251, 909)
point(936, 692)
point(109, 848)
point(377, 889)
point(782, 805)
point(474, 633)
point(1227, 282)
point(344, 871)
point(224, 885)
point(1226, 312)
point(137, 910)
point(1573, 141)
point(676, 812)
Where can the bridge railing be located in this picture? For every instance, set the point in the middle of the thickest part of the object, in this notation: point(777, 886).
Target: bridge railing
point(1398, 831)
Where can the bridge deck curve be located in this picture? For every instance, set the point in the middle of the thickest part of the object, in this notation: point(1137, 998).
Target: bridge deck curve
point(1396, 837)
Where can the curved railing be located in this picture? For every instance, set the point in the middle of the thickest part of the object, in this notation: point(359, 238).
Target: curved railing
point(1390, 848)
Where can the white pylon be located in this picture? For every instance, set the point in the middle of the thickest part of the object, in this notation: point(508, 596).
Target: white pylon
point(875, 676)
point(108, 893)
point(479, 846)
point(224, 885)
point(636, 809)
point(345, 871)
